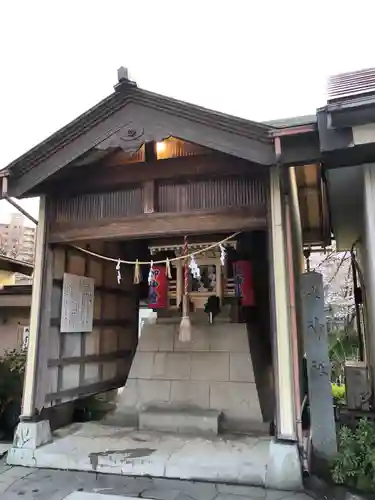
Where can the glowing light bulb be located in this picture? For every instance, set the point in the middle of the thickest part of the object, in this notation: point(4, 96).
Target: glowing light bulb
point(160, 147)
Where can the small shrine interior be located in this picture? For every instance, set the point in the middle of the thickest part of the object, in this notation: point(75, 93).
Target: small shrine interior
point(225, 278)
point(221, 276)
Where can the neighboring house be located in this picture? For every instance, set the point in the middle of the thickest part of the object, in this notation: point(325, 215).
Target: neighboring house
point(15, 303)
point(346, 129)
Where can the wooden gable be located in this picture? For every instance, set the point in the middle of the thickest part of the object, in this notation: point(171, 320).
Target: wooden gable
point(131, 118)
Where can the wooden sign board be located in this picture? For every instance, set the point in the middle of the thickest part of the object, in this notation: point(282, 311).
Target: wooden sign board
point(77, 311)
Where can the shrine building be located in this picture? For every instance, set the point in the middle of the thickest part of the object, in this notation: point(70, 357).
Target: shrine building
point(204, 217)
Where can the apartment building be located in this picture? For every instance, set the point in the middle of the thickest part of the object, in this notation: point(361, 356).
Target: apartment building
point(17, 240)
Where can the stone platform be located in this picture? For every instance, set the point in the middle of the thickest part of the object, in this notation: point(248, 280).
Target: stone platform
point(213, 372)
point(244, 460)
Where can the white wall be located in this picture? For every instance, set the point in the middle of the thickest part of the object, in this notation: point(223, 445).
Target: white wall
point(345, 187)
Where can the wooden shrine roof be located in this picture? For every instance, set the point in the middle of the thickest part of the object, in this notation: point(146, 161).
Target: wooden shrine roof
point(124, 94)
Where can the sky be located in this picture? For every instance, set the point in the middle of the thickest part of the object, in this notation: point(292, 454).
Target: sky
point(260, 60)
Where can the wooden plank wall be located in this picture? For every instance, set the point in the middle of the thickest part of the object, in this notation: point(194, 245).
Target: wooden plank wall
point(78, 364)
point(168, 197)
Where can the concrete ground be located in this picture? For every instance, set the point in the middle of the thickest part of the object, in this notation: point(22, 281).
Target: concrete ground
point(42, 484)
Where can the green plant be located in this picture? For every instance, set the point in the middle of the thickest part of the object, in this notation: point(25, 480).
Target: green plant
point(354, 464)
point(12, 369)
point(338, 393)
point(342, 348)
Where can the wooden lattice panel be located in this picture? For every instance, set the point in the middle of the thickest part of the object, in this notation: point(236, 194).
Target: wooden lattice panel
point(84, 363)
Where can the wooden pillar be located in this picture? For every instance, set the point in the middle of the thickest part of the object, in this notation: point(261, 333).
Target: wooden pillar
point(367, 255)
point(29, 388)
point(282, 351)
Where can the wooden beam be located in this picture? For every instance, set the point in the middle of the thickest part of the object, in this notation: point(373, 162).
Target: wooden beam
point(85, 390)
point(98, 288)
point(193, 239)
point(102, 177)
point(97, 323)
point(13, 301)
point(156, 225)
point(90, 358)
point(294, 130)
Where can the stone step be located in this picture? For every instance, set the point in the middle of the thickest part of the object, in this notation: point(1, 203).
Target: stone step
point(180, 420)
point(197, 317)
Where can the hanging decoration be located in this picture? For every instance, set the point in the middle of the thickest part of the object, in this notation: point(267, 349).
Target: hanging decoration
point(137, 273)
point(158, 291)
point(244, 285)
point(194, 268)
point(185, 325)
point(150, 273)
point(223, 254)
point(151, 263)
point(118, 269)
point(168, 269)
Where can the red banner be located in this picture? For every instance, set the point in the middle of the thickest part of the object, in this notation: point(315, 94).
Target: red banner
point(158, 292)
point(243, 279)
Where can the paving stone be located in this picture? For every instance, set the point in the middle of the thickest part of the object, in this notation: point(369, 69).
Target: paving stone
point(84, 495)
point(228, 496)
point(298, 496)
point(285, 495)
point(4, 467)
point(194, 490)
point(134, 486)
point(10, 476)
point(184, 496)
point(159, 494)
point(247, 491)
point(32, 484)
point(41, 490)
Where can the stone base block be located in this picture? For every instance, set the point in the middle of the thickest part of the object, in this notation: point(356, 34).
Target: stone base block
point(178, 420)
point(28, 437)
point(31, 435)
point(284, 471)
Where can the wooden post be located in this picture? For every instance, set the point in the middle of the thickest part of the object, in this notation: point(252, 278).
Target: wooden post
point(367, 248)
point(29, 388)
point(282, 352)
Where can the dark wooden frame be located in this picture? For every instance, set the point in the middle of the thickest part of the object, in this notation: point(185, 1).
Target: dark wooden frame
point(159, 224)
